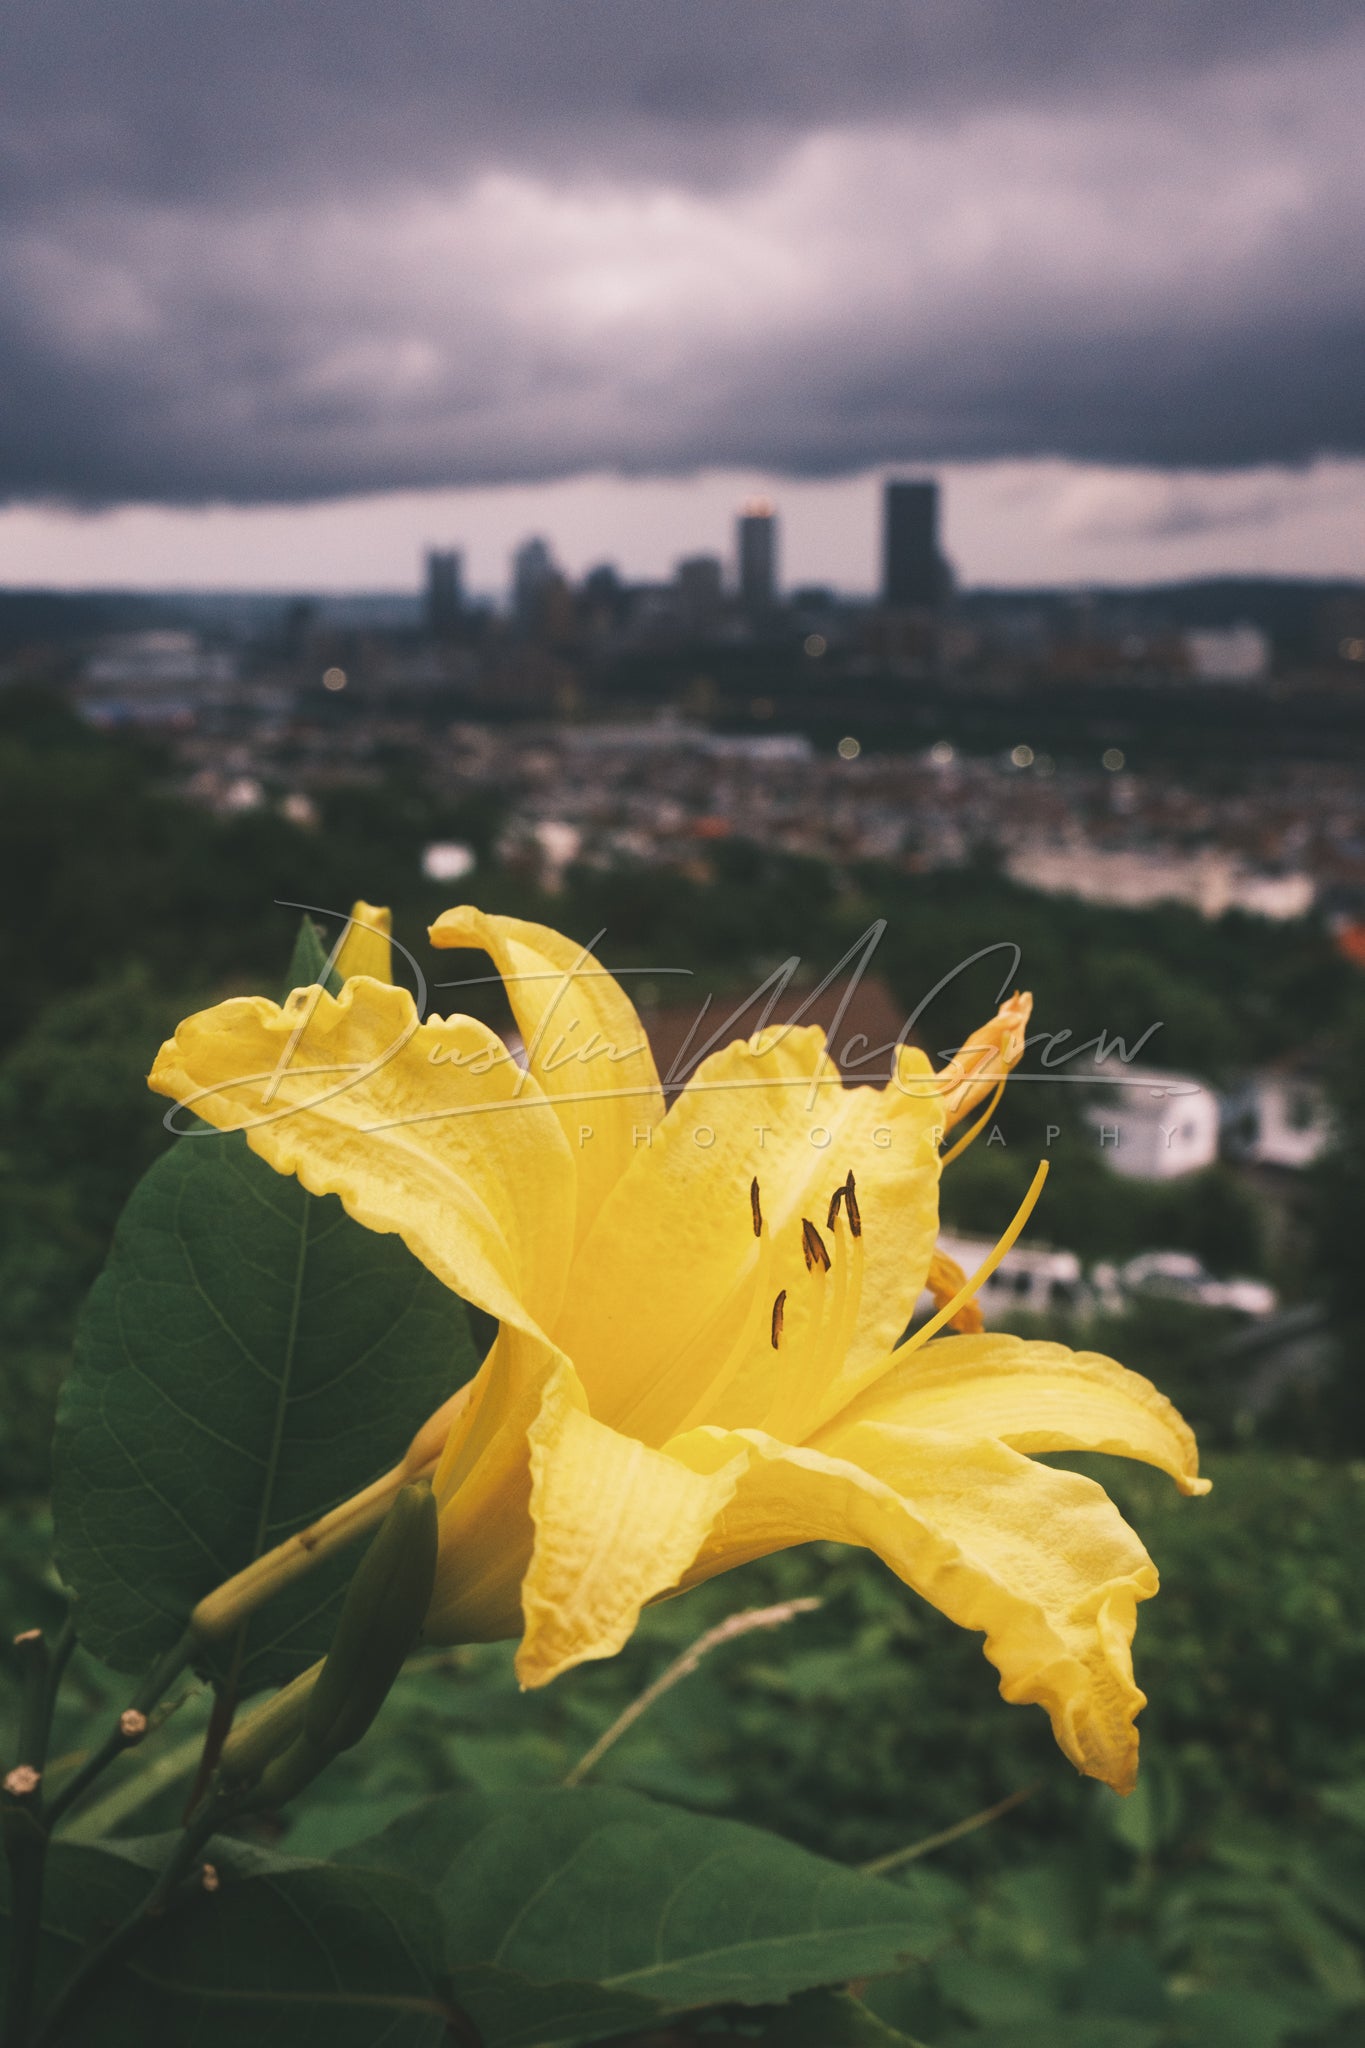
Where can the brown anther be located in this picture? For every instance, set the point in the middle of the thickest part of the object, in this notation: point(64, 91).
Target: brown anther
point(813, 1245)
point(778, 1308)
point(855, 1219)
point(756, 1206)
point(209, 1878)
point(132, 1725)
point(22, 1781)
point(835, 1199)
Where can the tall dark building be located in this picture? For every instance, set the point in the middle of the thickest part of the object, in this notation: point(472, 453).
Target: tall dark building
point(445, 595)
point(758, 555)
point(533, 572)
point(914, 573)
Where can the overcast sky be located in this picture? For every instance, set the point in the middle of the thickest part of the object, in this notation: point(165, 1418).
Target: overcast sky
point(333, 280)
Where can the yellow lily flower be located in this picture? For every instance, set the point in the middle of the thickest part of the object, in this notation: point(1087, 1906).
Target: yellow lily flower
point(699, 1314)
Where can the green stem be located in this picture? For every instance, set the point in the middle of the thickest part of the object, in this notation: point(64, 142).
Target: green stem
point(881, 1866)
point(24, 1821)
point(129, 1935)
point(219, 1727)
point(129, 1728)
point(135, 1790)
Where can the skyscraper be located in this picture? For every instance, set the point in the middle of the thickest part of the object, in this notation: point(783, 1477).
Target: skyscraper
point(758, 555)
point(444, 595)
point(533, 571)
point(914, 573)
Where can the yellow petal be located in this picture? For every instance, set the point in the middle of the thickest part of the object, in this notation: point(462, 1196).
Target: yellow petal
point(945, 1279)
point(584, 1042)
point(616, 1524)
point(482, 1485)
point(987, 1057)
point(1039, 1560)
point(365, 946)
point(664, 1279)
point(1035, 1397)
point(429, 1130)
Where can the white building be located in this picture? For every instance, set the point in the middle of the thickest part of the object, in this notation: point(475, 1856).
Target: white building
point(1278, 1118)
point(1208, 879)
point(1030, 1278)
point(1228, 654)
point(1155, 1126)
point(157, 661)
point(1180, 1276)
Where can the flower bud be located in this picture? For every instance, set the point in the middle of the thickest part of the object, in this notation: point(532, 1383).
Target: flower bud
point(286, 1742)
point(380, 1622)
point(262, 1736)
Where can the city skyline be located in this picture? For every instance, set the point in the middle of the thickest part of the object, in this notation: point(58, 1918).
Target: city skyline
point(1024, 525)
point(623, 258)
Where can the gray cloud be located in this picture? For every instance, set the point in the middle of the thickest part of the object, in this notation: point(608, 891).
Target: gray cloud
point(274, 252)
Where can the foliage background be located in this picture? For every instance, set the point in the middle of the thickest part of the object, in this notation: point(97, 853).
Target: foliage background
point(1221, 1903)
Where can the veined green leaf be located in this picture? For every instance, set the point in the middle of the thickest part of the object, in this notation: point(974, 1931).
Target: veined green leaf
point(646, 1902)
point(248, 1358)
point(285, 1955)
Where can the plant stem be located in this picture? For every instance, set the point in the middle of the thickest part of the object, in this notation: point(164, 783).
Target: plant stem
point(228, 1605)
point(898, 1857)
point(104, 1814)
point(24, 1821)
point(682, 1667)
point(131, 1932)
point(219, 1727)
point(128, 1729)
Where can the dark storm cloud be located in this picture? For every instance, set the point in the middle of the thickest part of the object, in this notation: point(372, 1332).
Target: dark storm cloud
point(281, 251)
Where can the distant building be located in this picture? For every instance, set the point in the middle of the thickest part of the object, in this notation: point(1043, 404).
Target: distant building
point(1156, 1126)
point(159, 678)
point(1031, 1278)
point(1209, 879)
point(444, 592)
point(757, 536)
point(605, 596)
point(533, 571)
point(1278, 1117)
point(699, 584)
point(157, 662)
point(1228, 654)
point(1180, 1276)
point(914, 573)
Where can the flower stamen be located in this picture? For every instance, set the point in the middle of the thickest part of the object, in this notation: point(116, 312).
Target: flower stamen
point(779, 1312)
point(813, 1245)
point(756, 1207)
point(739, 1351)
point(822, 1340)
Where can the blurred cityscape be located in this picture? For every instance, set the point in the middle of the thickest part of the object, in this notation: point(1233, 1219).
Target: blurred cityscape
point(1200, 743)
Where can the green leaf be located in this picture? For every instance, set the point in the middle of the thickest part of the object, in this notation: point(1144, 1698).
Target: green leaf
point(1345, 1802)
point(653, 1906)
point(284, 1955)
point(1240, 2016)
point(830, 2019)
point(308, 962)
point(248, 1358)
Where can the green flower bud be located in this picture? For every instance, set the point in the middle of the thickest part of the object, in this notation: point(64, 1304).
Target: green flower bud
point(269, 1730)
point(282, 1746)
point(380, 1623)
